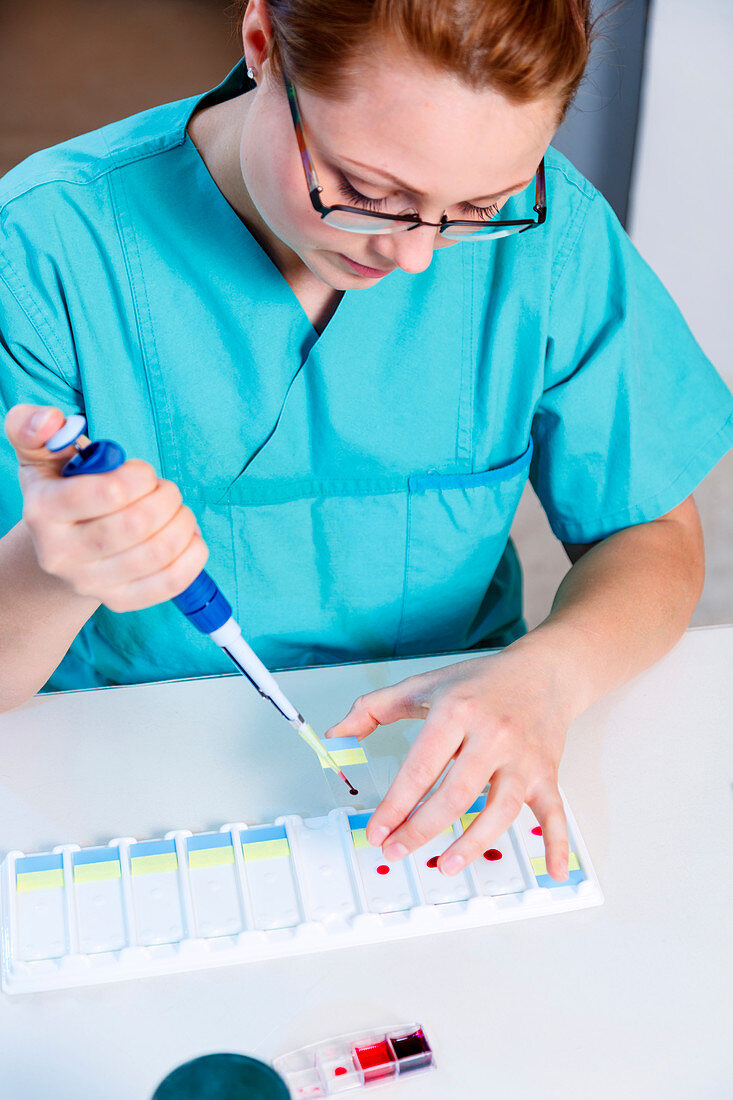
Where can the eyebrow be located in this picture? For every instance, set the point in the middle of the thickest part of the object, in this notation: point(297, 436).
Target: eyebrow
point(414, 191)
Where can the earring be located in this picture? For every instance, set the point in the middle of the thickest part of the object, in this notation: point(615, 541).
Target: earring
point(250, 73)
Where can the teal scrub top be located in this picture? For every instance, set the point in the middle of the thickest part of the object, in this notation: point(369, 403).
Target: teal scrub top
point(356, 489)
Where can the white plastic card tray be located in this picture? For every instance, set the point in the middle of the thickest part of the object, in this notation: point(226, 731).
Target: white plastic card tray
point(78, 916)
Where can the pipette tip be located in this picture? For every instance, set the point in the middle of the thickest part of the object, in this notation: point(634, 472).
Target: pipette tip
point(352, 790)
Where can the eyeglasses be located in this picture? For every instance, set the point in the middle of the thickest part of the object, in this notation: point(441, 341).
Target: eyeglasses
point(354, 220)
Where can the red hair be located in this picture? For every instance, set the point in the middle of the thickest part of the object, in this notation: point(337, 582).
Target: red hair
point(523, 49)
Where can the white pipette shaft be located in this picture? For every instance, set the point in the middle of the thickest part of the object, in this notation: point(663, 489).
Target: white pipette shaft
point(229, 638)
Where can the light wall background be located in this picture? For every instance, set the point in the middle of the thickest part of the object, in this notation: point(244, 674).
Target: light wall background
point(677, 213)
point(684, 165)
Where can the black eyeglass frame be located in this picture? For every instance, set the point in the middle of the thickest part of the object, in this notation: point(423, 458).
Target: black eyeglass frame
point(314, 191)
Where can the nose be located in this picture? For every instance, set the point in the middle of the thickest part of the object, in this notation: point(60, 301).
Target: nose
point(411, 250)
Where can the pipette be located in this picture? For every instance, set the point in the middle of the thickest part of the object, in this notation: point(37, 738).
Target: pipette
point(202, 602)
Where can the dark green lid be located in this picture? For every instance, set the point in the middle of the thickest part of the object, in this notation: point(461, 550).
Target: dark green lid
point(223, 1077)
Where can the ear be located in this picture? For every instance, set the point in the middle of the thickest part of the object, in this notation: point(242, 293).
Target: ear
point(257, 36)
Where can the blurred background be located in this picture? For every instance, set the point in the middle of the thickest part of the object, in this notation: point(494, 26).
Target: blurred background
point(650, 128)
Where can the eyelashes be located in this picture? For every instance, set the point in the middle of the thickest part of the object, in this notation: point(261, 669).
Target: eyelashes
point(481, 213)
point(357, 199)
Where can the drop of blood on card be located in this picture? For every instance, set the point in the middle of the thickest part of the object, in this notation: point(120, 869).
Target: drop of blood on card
point(492, 854)
point(340, 1071)
point(537, 831)
point(382, 869)
point(433, 861)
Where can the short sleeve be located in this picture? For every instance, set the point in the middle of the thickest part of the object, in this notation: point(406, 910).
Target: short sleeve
point(633, 415)
point(31, 372)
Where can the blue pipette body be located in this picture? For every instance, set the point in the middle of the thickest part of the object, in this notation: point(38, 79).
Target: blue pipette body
point(203, 603)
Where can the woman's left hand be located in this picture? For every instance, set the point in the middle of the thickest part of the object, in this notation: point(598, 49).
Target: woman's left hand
point(501, 719)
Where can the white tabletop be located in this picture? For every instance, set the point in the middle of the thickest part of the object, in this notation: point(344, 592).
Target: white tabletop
point(632, 999)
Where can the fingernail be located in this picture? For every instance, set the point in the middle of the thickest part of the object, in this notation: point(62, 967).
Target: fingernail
point(38, 420)
point(378, 835)
point(563, 870)
point(395, 851)
point(452, 864)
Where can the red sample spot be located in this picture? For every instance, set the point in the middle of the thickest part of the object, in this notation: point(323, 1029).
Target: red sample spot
point(433, 861)
point(537, 831)
point(340, 1071)
point(382, 869)
point(492, 854)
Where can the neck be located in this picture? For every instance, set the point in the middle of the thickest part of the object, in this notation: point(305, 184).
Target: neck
point(216, 132)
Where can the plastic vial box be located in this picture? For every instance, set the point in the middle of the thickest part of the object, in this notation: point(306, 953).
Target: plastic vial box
point(352, 1061)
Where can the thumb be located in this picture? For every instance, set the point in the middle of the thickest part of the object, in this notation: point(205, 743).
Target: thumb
point(29, 427)
point(379, 708)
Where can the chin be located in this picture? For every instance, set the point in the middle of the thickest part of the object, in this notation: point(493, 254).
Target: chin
point(329, 275)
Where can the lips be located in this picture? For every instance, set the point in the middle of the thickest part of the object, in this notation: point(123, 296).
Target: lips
point(362, 269)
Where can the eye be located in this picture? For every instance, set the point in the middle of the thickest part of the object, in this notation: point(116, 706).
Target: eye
point(356, 198)
point(482, 213)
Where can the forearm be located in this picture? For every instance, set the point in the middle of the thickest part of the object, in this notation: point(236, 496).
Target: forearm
point(623, 605)
point(40, 616)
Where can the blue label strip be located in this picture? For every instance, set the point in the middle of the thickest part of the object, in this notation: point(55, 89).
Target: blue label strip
point(574, 877)
point(478, 805)
point(95, 855)
point(334, 744)
point(48, 862)
point(152, 848)
point(209, 840)
point(263, 832)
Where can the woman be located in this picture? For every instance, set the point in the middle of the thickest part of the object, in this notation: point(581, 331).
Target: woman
point(188, 279)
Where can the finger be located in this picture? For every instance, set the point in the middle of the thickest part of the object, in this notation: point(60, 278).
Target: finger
point(435, 746)
point(164, 585)
point(74, 499)
point(146, 559)
point(503, 804)
point(28, 428)
point(139, 521)
point(459, 789)
point(408, 699)
point(547, 807)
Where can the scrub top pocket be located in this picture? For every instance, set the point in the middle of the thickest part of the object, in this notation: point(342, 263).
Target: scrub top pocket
point(330, 570)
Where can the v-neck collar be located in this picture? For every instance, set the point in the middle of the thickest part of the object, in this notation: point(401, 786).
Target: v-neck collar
point(234, 84)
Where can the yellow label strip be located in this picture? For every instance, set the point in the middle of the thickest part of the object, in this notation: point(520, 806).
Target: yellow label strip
point(96, 872)
point(39, 880)
point(148, 865)
point(539, 864)
point(265, 849)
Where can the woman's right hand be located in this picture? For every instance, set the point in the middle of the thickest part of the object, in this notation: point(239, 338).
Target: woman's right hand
point(124, 537)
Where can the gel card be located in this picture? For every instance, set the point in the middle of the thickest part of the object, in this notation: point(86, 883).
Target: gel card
point(387, 887)
point(437, 887)
point(272, 889)
point(39, 883)
point(498, 870)
point(214, 887)
point(155, 891)
point(324, 872)
point(530, 833)
point(98, 899)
